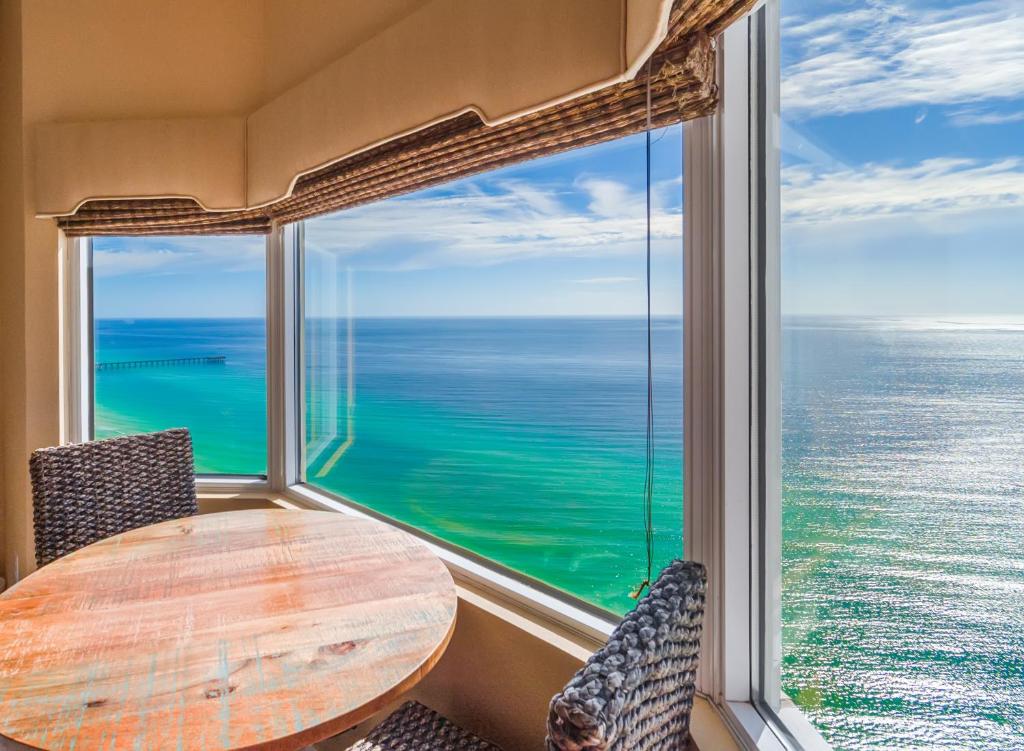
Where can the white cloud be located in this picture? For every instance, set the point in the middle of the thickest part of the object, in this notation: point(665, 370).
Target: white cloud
point(513, 221)
point(934, 186)
point(137, 260)
point(606, 280)
point(172, 255)
point(977, 116)
point(889, 55)
point(611, 199)
point(531, 196)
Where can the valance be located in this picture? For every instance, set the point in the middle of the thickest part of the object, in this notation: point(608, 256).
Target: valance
point(681, 73)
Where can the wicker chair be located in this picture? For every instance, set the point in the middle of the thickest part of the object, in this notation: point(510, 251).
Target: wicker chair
point(634, 694)
point(414, 727)
point(86, 492)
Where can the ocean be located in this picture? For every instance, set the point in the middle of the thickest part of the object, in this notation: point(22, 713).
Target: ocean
point(223, 405)
point(523, 440)
point(903, 530)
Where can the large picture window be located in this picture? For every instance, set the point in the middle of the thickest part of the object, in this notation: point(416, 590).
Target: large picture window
point(180, 341)
point(475, 362)
point(902, 386)
point(470, 361)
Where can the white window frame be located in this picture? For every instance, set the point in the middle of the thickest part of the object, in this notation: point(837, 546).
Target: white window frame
point(75, 334)
point(77, 366)
point(731, 506)
point(588, 623)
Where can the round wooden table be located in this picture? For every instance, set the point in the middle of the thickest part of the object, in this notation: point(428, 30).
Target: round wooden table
point(239, 630)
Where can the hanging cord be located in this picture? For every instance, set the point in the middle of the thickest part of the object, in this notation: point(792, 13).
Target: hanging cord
point(649, 460)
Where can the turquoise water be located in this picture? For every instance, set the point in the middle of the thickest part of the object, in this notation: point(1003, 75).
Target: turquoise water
point(522, 439)
point(223, 405)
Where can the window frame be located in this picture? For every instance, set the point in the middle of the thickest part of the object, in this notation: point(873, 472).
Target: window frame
point(75, 334)
point(730, 299)
point(77, 358)
point(733, 395)
point(568, 611)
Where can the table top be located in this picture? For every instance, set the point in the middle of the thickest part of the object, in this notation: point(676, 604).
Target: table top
point(266, 629)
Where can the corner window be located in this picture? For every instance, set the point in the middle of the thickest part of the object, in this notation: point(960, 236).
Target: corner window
point(179, 340)
point(475, 363)
point(902, 396)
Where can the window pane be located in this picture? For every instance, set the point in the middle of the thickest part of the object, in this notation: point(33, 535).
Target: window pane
point(180, 341)
point(903, 387)
point(476, 362)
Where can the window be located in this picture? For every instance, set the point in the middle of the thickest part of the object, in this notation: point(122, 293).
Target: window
point(180, 341)
point(902, 187)
point(470, 362)
point(475, 363)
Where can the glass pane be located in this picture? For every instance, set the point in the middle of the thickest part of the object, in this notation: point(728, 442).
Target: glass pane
point(180, 341)
point(476, 362)
point(903, 386)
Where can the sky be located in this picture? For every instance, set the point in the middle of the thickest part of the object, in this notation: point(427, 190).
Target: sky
point(562, 235)
point(902, 136)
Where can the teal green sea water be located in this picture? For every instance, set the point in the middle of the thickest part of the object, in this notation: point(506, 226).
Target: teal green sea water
point(519, 439)
point(223, 405)
point(903, 525)
point(522, 439)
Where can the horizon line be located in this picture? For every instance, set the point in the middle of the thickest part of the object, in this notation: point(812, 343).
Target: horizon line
point(541, 316)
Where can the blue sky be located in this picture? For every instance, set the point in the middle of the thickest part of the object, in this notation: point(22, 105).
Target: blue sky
point(903, 158)
point(179, 277)
point(564, 235)
point(903, 194)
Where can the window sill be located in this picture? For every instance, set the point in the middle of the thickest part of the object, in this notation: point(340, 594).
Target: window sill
point(232, 486)
point(568, 628)
point(792, 731)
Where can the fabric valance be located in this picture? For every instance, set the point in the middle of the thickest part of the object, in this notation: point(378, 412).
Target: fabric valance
point(681, 74)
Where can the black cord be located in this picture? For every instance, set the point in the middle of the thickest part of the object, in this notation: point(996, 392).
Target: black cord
point(648, 503)
point(664, 132)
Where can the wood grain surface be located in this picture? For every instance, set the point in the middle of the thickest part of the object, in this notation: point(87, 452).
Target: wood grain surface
point(240, 630)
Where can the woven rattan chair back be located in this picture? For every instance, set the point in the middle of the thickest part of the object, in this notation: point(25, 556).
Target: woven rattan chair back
point(86, 492)
point(636, 693)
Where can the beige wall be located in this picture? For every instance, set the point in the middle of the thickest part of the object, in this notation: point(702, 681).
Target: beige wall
point(83, 60)
point(315, 80)
point(322, 31)
point(500, 59)
point(497, 679)
point(11, 255)
point(112, 59)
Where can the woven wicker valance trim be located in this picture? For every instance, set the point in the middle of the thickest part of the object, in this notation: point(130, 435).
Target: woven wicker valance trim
point(682, 72)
